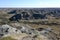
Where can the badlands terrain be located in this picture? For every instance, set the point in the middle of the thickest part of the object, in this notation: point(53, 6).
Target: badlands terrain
point(29, 23)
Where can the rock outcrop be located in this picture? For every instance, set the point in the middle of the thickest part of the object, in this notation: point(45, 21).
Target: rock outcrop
point(27, 33)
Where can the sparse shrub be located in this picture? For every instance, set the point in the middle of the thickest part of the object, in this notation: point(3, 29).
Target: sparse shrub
point(7, 38)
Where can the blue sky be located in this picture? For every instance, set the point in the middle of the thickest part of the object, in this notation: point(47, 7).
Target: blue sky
point(29, 3)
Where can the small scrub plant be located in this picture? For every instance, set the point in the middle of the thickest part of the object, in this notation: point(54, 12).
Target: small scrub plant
point(7, 38)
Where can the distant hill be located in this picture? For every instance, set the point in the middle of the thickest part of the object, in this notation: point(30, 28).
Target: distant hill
point(31, 13)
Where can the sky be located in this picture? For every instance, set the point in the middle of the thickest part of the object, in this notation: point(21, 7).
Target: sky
point(30, 3)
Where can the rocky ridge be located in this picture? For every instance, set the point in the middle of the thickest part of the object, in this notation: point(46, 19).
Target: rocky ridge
point(27, 33)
